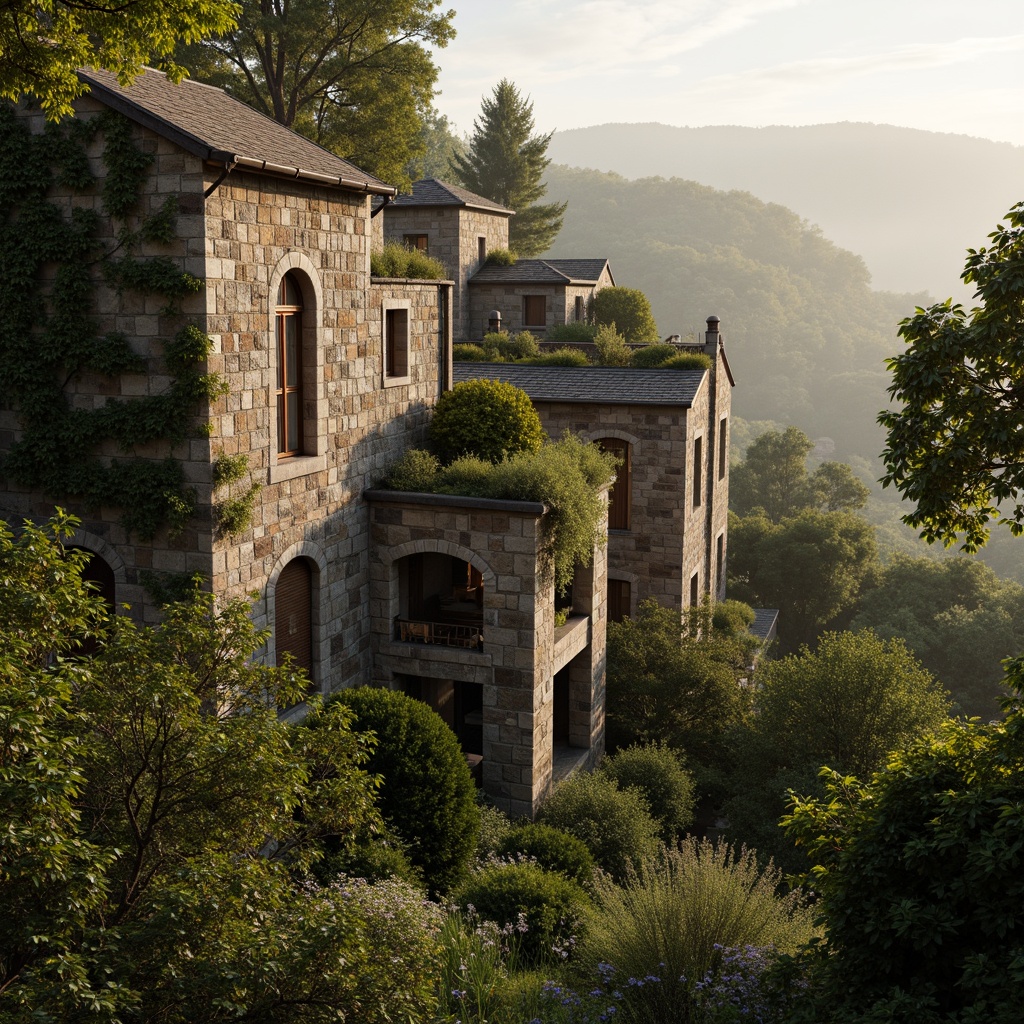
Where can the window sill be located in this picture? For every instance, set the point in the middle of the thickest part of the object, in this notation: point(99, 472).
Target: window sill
point(296, 466)
point(394, 382)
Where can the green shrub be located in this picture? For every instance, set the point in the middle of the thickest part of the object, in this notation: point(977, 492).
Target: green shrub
point(513, 895)
point(523, 346)
point(486, 418)
point(466, 353)
point(576, 332)
point(495, 827)
point(657, 772)
point(733, 618)
point(501, 258)
point(562, 357)
point(688, 361)
point(396, 260)
point(612, 349)
point(427, 796)
point(673, 913)
point(629, 309)
point(416, 470)
point(651, 357)
point(614, 824)
point(373, 857)
point(552, 849)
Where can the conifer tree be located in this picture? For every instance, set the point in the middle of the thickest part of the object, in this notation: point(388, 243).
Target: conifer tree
point(505, 163)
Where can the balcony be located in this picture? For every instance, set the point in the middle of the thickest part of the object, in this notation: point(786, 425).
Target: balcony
point(447, 633)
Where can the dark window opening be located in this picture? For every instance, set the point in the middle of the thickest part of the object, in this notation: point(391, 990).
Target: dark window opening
point(720, 562)
point(694, 590)
point(416, 242)
point(579, 309)
point(396, 343)
point(723, 448)
point(698, 462)
point(481, 248)
point(619, 596)
point(289, 368)
point(619, 497)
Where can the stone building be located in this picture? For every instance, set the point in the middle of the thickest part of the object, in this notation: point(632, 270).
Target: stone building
point(329, 375)
point(668, 513)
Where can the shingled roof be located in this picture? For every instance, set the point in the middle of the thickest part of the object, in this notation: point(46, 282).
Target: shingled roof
point(590, 385)
point(434, 192)
point(543, 272)
point(219, 129)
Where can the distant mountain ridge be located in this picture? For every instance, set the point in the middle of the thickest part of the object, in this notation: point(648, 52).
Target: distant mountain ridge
point(910, 202)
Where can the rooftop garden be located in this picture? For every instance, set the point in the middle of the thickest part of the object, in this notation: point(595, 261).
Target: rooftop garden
point(397, 260)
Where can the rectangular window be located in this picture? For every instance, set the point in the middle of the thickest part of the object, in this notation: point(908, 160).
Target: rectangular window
point(416, 242)
point(535, 312)
point(618, 600)
point(698, 463)
point(396, 343)
point(723, 447)
point(579, 309)
point(694, 590)
point(720, 562)
point(481, 248)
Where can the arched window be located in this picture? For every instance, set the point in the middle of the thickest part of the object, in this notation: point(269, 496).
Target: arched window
point(619, 495)
point(100, 575)
point(293, 615)
point(289, 368)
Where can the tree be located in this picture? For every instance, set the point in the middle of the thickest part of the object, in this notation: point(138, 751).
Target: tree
point(353, 75)
point(43, 45)
point(918, 873)
point(812, 567)
point(505, 163)
point(436, 149)
point(628, 310)
point(954, 443)
point(847, 704)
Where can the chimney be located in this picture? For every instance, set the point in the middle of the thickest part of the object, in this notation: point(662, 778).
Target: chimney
point(712, 337)
point(494, 321)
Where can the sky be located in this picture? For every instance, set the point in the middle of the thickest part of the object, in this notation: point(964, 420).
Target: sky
point(940, 65)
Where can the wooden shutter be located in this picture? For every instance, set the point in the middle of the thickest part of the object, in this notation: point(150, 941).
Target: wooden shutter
point(293, 619)
point(619, 495)
point(534, 311)
point(618, 600)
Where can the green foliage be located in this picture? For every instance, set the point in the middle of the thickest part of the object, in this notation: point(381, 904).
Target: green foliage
point(234, 515)
point(477, 958)
point(953, 444)
point(499, 346)
point(658, 773)
point(672, 915)
point(552, 849)
point(505, 163)
point(229, 468)
point(44, 47)
point(667, 685)
point(574, 333)
point(812, 567)
point(468, 353)
point(355, 79)
point(629, 310)
point(495, 827)
point(562, 357)
point(688, 361)
point(732, 617)
point(171, 587)
point(957, 616)
point(918, 873)
point(416, 470)
point(397, 260)
point(48, 331)
point(612, 349)
point(487, 418)
point(435, 148)
point(651, 357)
point(427, 795)
point(501, 258)
point(614, 824)
point(544, 906)
point(847, 704)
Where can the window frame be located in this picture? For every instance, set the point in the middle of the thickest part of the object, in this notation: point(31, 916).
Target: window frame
point(289, 397)
point(414, 239)
point(396, 352)
point(529, 300)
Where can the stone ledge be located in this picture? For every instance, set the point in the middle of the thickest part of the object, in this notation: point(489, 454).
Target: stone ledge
point(381, 496)
point(570, 639)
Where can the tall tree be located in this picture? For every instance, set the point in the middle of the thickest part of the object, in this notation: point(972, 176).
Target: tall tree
point(955, 444)
point(42, 45)
point(353, 75)
point(505, 163)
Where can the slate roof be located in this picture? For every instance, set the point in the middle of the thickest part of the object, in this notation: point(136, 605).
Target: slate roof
point(543, 272)
point(434, 192)
point(764, 625)
point(214, 126)
point(590, 385)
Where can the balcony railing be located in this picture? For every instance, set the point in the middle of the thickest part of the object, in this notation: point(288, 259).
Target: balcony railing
point(445, 634)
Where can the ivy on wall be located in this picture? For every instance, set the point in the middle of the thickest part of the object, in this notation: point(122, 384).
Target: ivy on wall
point(54, 260)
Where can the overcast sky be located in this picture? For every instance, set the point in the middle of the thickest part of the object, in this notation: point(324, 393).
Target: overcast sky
point(941, 65)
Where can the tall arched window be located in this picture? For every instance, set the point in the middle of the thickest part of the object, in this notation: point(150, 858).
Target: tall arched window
point(289, 367)
point(293, 613)
point(619, 497)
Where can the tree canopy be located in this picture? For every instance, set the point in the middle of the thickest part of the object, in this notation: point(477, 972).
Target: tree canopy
point(353, 75)
point(955, 443)
point(505, 162)
point(43, 45)
point(628, 310)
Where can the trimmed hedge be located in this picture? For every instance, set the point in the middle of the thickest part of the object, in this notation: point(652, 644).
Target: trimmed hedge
point(658, 774)
point(552, 849)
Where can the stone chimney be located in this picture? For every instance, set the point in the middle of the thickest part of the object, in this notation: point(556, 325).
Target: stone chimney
point(712, 337)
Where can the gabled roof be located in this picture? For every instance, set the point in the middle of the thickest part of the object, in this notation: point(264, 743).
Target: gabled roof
point(217, 128)
point(543, 272)
point(590, 385)
point(434, 192)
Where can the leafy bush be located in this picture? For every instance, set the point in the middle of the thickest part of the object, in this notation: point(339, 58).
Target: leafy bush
point(562, 357)
point(615, 824)
point(467, 353)
point(675, 911)
point(612, 349)
point(657, 772)
point(522, 346)
point(733, 618)
point(416, 470)
point(426, 795)
point(576, 332)
point(501, 258)
point(495, 827)
point(486, 418)
point(552, 849)
point(396, 260)
point(651, 357)
point(371, 857)
point(629, 309)
point(688, 361)
point(544, 906)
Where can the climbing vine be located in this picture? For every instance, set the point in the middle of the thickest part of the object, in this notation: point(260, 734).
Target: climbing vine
point(54, 261)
